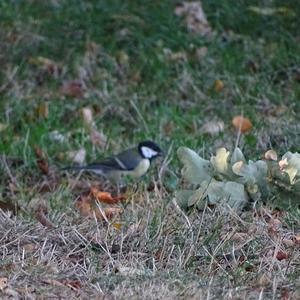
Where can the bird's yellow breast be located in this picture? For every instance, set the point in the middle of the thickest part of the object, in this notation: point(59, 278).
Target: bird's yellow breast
point(141, 169)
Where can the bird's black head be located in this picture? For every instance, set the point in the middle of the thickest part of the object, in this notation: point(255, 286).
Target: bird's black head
point(149, 150)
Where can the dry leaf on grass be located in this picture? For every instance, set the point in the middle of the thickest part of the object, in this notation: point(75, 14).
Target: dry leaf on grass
point(88, 207)
point(56, 136)
point(77, 157)
point(72, 88)
point(106, 197)
point(3, 283)
point(73, 284)
point(47, 64)
point(219, 85)
point(41, 161)
point(194, 17)
point(271, 155)
point(39, 208)
point(242, 123)
point(43, 110)
point(9, 206)
point(281, 255)
point(87, 116)
point(212, 127)
point(98, 138)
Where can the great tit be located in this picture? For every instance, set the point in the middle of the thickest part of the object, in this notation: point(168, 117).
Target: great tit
point(133, 162)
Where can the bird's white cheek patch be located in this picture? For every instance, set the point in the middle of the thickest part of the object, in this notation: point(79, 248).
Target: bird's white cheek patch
point(148, 152)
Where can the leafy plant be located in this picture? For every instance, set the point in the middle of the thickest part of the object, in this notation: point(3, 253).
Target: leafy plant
point(231, 180)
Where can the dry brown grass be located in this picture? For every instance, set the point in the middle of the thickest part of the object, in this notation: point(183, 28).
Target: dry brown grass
point(160, 252)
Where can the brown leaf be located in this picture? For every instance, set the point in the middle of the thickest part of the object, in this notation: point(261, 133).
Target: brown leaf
point(73, 284)
point(47, 64)
point(219, 85)
point(194, 17)
point(88, 208)
point(263, 280)
point(43, 110)
point(87, 116)
point(168, 128)
point(212, 127)
point(41, 161)
point(98, 138)
point(283, 164)
point(106, 197)
point(271, 155)
point(77, 157)
point(3, 283)
point(242, 123)
point(281, 255)
point(72, 88)
point(9, 206)
point(39, 208)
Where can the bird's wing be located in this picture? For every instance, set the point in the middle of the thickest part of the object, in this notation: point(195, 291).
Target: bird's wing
point(125, 161)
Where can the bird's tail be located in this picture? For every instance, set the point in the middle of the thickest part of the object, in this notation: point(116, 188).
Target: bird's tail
point(88, 168)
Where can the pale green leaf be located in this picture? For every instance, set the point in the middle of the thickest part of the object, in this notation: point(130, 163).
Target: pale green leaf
point(236, 156)
point(182, 198)
point(195, 169)
point(231, 193)
point(220, 161)
point(293, 165)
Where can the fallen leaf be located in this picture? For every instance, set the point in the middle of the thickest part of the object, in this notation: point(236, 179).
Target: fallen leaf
point(106, 197)
point(98, 138)
point(56, 136)
point(9, 206)
point(194, 17)
point(264, 280)
point(87, 116)
point(87, 207)
point(288, 242)
point(283, 164)
point(241, 123)
point(122, 58)
point(73, 88)
point(77, 157)
point(43, 110)
point(212, 127)
point(281, 255)
point(178, 56)
point(110, 212)
point(39, 207)
point(41, 161)
point(219, 85)
point(117, 226)
point(291, 165)
point(30, 247)
point(128, 271)
point(73, 284)
point(271, 155)
point(47, 64)
point(3, 283)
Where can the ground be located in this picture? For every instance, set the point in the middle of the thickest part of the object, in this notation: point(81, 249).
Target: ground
point(143, 75)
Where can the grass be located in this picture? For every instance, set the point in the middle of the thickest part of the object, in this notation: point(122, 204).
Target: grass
point(119, 50)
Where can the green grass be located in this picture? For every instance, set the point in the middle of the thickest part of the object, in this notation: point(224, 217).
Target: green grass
point(118, 49)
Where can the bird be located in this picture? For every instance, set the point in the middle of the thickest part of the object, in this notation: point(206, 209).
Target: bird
point(133, 162)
